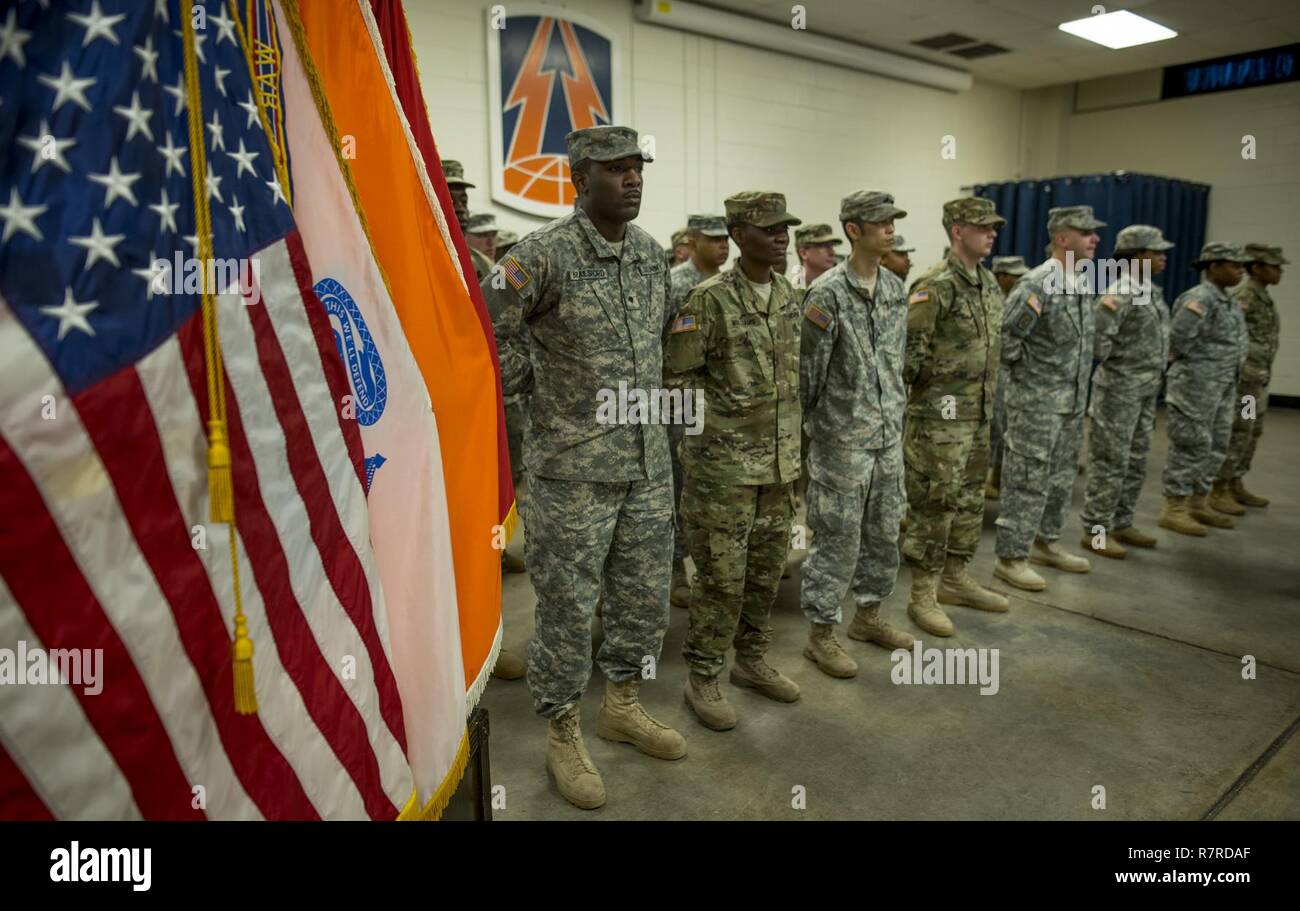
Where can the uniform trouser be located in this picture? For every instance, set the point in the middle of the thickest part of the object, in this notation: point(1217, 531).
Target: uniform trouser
point(1119, 442)
point(676, 434)
point(582, 536)
point(738, 536)
point(946, 464)
point(854, 536)
point(1038, 472)
point(516, 410)
point(998, 428)
point(1199, 418)
point(1245, 433)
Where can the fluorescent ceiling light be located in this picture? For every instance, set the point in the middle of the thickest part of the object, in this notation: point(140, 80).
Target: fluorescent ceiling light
point(1116, 30)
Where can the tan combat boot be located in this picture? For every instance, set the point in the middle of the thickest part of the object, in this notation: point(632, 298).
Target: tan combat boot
point(1221, 499)
point(710, 706)
point(825, 650)
point(509, 666)
point(755, 673)
point(1109, 546)
point(1049, 553)
point(1244, 496)
point(922, 608)
point(1132, 537)
point(868, 627)
point(1017, 574)
point(681, 588)
point(1200, 511)
point(993, 484)
point(623, 719)
point(1175, 517)
point(570, 765)
point(957, 587)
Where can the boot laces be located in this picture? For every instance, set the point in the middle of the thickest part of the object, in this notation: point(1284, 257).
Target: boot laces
point(708, 689)
point(760, 668)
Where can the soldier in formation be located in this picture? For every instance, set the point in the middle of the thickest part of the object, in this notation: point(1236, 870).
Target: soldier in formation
point(815, 246)
point(899, 258)
point(1007, 270)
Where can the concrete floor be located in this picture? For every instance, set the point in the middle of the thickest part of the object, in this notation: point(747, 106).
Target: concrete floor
point(1128, 678)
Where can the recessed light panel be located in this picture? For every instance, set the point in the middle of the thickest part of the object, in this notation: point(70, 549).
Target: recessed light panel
point(1117, 30)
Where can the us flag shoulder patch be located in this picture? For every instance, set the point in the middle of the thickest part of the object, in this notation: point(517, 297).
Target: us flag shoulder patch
point(818, 317)
point(684, 324)
point(918, 297)
point(1033, 303)
point(1110, 303)
point(515, 273)
point(1195, 307)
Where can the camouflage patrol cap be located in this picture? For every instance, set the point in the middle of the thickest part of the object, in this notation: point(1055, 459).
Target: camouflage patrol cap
point(483, 223)
point(1214, 252)
point(454, 171)
point(972, 210)
point(1141, 237)
point(1262, 253)
point(815, 234)
point(506, 237)
point(900, 245)
point(1078, 217)
point(708, 225)
point(759, 209)
point(875, 206)
point(1008, 265)
point(680, 236)
point(603, 143)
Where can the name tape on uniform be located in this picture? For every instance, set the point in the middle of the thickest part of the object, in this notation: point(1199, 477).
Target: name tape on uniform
point(586, 275)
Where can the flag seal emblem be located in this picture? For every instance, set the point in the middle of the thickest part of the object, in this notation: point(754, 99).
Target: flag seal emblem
point(357, 350)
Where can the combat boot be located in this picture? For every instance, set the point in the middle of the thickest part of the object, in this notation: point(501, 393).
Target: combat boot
point(623, 719)
point(1132, 537)
point(1244, 496)
point(1018, 574)
point(707, 702)
point(1175, 517)
point(570, 765)
point(1200, 511)
point(509, 666)
point(755, 673)
point(1109, 546)
point(922, 608)
point(1049, 553)
point(1222, 500)
point(957, 587)
point(868, 627)
point(993, 484)
point(681, 589)
point(825, 650)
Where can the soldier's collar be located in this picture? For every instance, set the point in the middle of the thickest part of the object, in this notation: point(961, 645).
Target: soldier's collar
point(602, 246)
point(960, 269)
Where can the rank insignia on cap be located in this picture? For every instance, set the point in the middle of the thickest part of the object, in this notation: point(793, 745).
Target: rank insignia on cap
point(1110, 303)
point(818, 317)
point(683, 324)
point(1196, 307)
point(515, 273)
point(918, 297)
point(1033, 303)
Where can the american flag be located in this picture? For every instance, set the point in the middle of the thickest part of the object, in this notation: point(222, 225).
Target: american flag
point(105, 541)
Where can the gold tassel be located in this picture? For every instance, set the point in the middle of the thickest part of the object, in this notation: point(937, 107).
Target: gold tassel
point(220, 487)
point(242, 653)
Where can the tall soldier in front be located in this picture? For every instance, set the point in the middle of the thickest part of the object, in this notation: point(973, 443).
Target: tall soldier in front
point(954, 318)
point(851, 388)
point(737, 339)
point(580, 307)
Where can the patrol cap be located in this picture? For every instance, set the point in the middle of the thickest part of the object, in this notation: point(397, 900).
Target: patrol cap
point(1009, 265)
point(900, 245)
point(454, 171)
point(759, 209)
point(874, 206)
point(1141, 237)
point(680, 236)
point(604, 143)
point(815, 234)
point(1077, 217)
point(708, 225)
point(1262, 253)
point(1214, 252)
point(483, 223)
point(506, 237)
point(972, 210)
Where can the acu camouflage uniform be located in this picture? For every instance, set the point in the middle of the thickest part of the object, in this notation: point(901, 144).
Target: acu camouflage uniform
point(574, 317)
point(737, 502)
point(1010, 265)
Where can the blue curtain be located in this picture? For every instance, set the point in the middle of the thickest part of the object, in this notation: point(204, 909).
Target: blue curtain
point(1177, 207)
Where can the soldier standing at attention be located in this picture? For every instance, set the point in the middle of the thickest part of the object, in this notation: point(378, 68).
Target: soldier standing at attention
point(954, 315)
point(681, 250)
point(709, 251)
point(737, 339)
point(1208, 345)
point(899, 259)
point(1047, 331)
point(584, 306)
point(815, 246)
point(851, 389)
point(1007, 270)
point(481, 234)
point(459, 188)
point(1264, 268)
point(1132, 348)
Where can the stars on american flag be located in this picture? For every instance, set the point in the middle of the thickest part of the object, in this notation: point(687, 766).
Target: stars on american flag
point(47, 148)
point(67, 87)
point(172, 154)
point(244, 159)
point(72, 315)
point(18, 217)
point(148, 59)
point(12, 39)
point(166, 211)
point(99, 246)
point(118, 184)
point(96, 24)
point(137, 118)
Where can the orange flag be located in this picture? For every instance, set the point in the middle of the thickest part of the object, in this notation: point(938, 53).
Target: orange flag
point(410, 234)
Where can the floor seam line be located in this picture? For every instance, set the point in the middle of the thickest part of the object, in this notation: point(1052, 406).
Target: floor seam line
point(1247, 776)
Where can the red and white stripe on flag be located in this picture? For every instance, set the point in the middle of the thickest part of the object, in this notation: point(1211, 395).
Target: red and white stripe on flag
point(102, 505)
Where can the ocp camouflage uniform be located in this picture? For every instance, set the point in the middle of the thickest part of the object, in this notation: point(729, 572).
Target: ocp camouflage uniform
point(573, 318)
point(851, 386)
point(737, 502)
